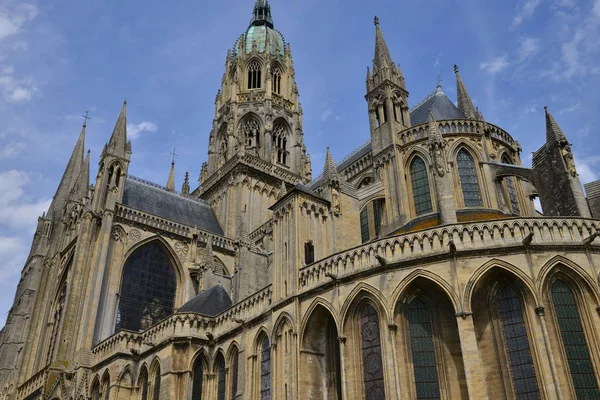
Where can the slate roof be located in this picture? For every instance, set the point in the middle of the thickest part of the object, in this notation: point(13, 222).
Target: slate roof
point(210, 302)
point(156, 200)
point(441, 107)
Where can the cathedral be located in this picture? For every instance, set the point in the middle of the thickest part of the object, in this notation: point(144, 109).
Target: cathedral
point(415, 268)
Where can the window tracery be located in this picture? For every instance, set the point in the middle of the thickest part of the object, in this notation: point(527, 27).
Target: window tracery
point(276, 80)
point(371, 354)
point(57, 319)
point(574, 341)
point(420, 186)
point(250, 132)
point(516, 344)
point(147, 288)
point(254, 75)
point(280, 152)
point(468, 179)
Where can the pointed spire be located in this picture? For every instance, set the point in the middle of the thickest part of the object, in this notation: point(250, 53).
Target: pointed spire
point(208, 258)
point(435, 136)
point(282, 191)
point(553, 131)
point(69, 177)
point(464, 100)
point(171, 181)
point(80, 188)
point(330, 173)
point(185, 188)
point(243, 236)
point(369, 74)
point(382, 54)
point(118, 144)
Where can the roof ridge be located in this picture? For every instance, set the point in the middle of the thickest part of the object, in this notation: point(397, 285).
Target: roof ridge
point(164, 189)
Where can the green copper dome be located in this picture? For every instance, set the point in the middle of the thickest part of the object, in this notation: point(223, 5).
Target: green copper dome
point(261, 27)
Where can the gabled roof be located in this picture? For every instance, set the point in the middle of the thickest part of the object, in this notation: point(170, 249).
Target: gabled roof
point(210, 302)
point(156, 200)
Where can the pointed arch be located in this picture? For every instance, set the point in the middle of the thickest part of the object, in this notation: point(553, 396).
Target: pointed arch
point(125, 377)
point(437, 281)
point(497, 264)
point(219, 370)
point(152, 266)
point(143, 382)
point(280, 141)
point(319, 301)
point(249, 131)
point(282, 319)
point(364, 291)
point(199, 371)
point(232, 359)
point(320, 355)
point(570, 270)
point(155, 376)
point(254, 73)
point(95, 388)
point(105, 385)
point(262, 349)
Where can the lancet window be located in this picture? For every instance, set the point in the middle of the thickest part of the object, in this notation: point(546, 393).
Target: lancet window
point(254, 75)
point(371, 353)
point(420, 186)
point(265, 369)
point(147, 288)
point(574, 342)
point(371, 218)
point(516, 344)
point(423, 350)
point(468, 179)
point(234, 374)
point(280, 144)
point(276, 80)
point(198, 379)
point(56, 320)
point(251, 130)
point(144, 384)
point(221, 376)
point(156, 384)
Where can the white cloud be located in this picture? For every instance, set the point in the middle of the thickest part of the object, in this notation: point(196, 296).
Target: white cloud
point(572, 108)
point(16, 90)
point(524, 12)
point(496, 65)
point(528, 48)
point(588, 168)
point(328, 114)
point(135, 130)
point(18, 211)
point(13, 16)
point(12, 252)
point(12, 150)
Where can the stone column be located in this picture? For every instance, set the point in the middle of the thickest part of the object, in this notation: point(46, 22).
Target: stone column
point(474, 372)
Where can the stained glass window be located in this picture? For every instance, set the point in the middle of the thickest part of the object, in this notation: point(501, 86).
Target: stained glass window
point(576, 348)
point(156, 392)
point(364, 225)
point(144, 384)
point(371, 354)
point(234, 374)
point(516, 343)
point(147, 289)
point(220, 367)
point(512, 190)
point(265, 370)
point(423, 351)
point(198, 378)
point(420, 186)
point(377, 206)
point(468, 179)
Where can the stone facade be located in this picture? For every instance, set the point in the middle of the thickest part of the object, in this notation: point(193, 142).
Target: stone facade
point(417, 267)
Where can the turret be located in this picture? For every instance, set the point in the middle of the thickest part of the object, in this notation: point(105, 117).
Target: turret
point(555, 175)
point(465, 104)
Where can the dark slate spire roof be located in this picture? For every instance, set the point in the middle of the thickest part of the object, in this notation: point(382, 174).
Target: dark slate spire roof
point(440, 105)
point(210, 302)
point(156, 200)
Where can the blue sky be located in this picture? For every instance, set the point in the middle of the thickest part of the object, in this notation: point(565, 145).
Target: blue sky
point(60, 58)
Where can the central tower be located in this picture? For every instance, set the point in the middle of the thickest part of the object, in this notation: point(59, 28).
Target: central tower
point(256, 142)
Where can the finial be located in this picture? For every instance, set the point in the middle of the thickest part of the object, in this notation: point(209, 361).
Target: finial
point(455, 69)
point(185, 188)
point(124, 102)
point(439, 79)
point(546, 108)
point(174, 155)
point(376, 20)
point(86, 117)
